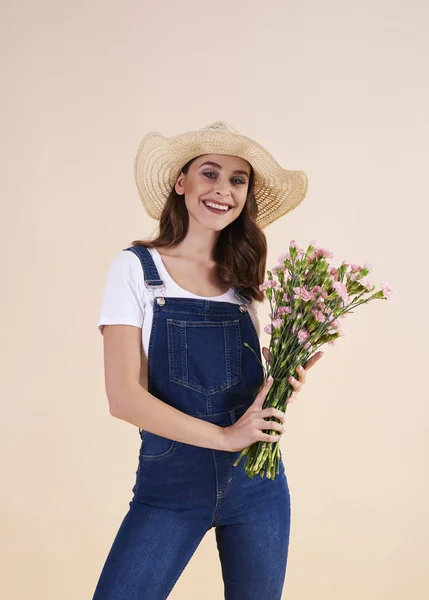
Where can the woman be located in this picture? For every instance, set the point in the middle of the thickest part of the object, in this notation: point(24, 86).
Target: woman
point(176, 316)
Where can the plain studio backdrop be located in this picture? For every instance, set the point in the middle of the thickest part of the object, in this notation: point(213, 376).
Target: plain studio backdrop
point(337, 89)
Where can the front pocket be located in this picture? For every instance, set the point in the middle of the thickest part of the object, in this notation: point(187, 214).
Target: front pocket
point(155, 446)
point(204, 355)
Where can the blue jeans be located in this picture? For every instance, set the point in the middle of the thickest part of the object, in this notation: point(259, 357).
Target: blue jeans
point(198, 363)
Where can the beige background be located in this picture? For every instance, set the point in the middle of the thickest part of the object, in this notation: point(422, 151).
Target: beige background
point(338, 89)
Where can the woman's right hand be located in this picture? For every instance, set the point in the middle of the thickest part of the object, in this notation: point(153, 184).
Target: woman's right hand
point(249, 428)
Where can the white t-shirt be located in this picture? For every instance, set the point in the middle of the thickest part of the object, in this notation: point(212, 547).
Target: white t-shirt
point(127, 301)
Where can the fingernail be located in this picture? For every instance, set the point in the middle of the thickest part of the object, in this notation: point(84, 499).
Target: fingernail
point(270, 378)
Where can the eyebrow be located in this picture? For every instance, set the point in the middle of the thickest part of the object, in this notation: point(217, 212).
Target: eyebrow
point(214, 164)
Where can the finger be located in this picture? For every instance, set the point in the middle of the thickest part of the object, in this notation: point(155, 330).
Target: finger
point(313, 360)
point(302, 373)
point(273, 425)
point(266, 437)
point(291, 398)
point(260, 398)
point(297, 385)
point(270, 412)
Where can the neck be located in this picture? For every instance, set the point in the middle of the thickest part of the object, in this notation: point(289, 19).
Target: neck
point(199, 244)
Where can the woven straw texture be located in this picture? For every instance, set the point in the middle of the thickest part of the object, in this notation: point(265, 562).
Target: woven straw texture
point(159, 161)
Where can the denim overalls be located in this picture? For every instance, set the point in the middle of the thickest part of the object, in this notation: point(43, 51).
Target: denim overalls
point(198, 363)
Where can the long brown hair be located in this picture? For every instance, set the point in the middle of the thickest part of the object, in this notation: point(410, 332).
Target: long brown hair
point(241, 250)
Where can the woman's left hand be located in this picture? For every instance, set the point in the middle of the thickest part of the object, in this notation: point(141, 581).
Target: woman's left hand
point(301, 370)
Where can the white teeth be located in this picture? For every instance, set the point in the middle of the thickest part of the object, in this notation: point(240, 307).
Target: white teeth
point(219, 206)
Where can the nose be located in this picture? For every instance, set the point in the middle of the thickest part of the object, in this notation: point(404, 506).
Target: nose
point(222, 189)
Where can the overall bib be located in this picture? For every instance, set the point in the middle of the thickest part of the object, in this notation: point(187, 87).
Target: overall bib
point(198, 363)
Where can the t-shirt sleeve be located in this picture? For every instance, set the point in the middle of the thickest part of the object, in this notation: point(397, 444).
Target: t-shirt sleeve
point(123, 300)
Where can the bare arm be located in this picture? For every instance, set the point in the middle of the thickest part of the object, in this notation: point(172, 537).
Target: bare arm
point(125, 370)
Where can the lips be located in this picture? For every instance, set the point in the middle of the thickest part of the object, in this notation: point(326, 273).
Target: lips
point(218, 211)
point(217, 202)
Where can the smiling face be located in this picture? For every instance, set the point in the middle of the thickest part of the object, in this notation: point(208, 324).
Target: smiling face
point(215, 189)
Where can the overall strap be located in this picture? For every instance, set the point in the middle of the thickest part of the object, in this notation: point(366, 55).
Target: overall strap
point(151, 276)
point(242, 296)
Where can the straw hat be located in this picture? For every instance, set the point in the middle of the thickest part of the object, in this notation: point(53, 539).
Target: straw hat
point(160, 159)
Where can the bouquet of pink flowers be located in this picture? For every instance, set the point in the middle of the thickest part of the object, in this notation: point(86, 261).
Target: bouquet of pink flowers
point(307, 296)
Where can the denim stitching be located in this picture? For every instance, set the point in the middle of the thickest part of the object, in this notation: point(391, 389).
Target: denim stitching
point(197, 324)
point(184, 362)
point(152, 342)
point(202, 313)
point(226, 341)
point(171, 366)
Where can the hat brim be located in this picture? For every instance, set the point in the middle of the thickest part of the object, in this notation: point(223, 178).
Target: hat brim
point(159, 160)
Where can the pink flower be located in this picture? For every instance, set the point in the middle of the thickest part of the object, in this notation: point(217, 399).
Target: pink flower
point(387, 290)
point(299, 250)
point(268, 284)
point(319, 316)
point(341, 290)
point(286, 298)
point(355, 268)
point(346, 263)
point(268, 328)
point(323, 253)
point(277, 323)
point(336, 328)
point(367, 284)
point(284, 310)
point(333, 271)
point(303, 293)
point(369, 267)
point(303, 335)
point(279, 268)
point(319, 290)
point(281, 259)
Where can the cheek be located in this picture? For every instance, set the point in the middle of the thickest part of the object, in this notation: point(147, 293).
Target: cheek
point(242, 199)
point(199, 188)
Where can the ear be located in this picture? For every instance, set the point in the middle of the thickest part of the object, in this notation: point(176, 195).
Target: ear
point(179, 186)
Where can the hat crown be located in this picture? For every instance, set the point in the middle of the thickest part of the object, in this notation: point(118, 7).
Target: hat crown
point(221, 126)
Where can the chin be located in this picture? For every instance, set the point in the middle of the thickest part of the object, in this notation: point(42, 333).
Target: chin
point(211, 223)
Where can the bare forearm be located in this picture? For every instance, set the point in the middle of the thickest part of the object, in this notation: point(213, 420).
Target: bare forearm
point(140, 408)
